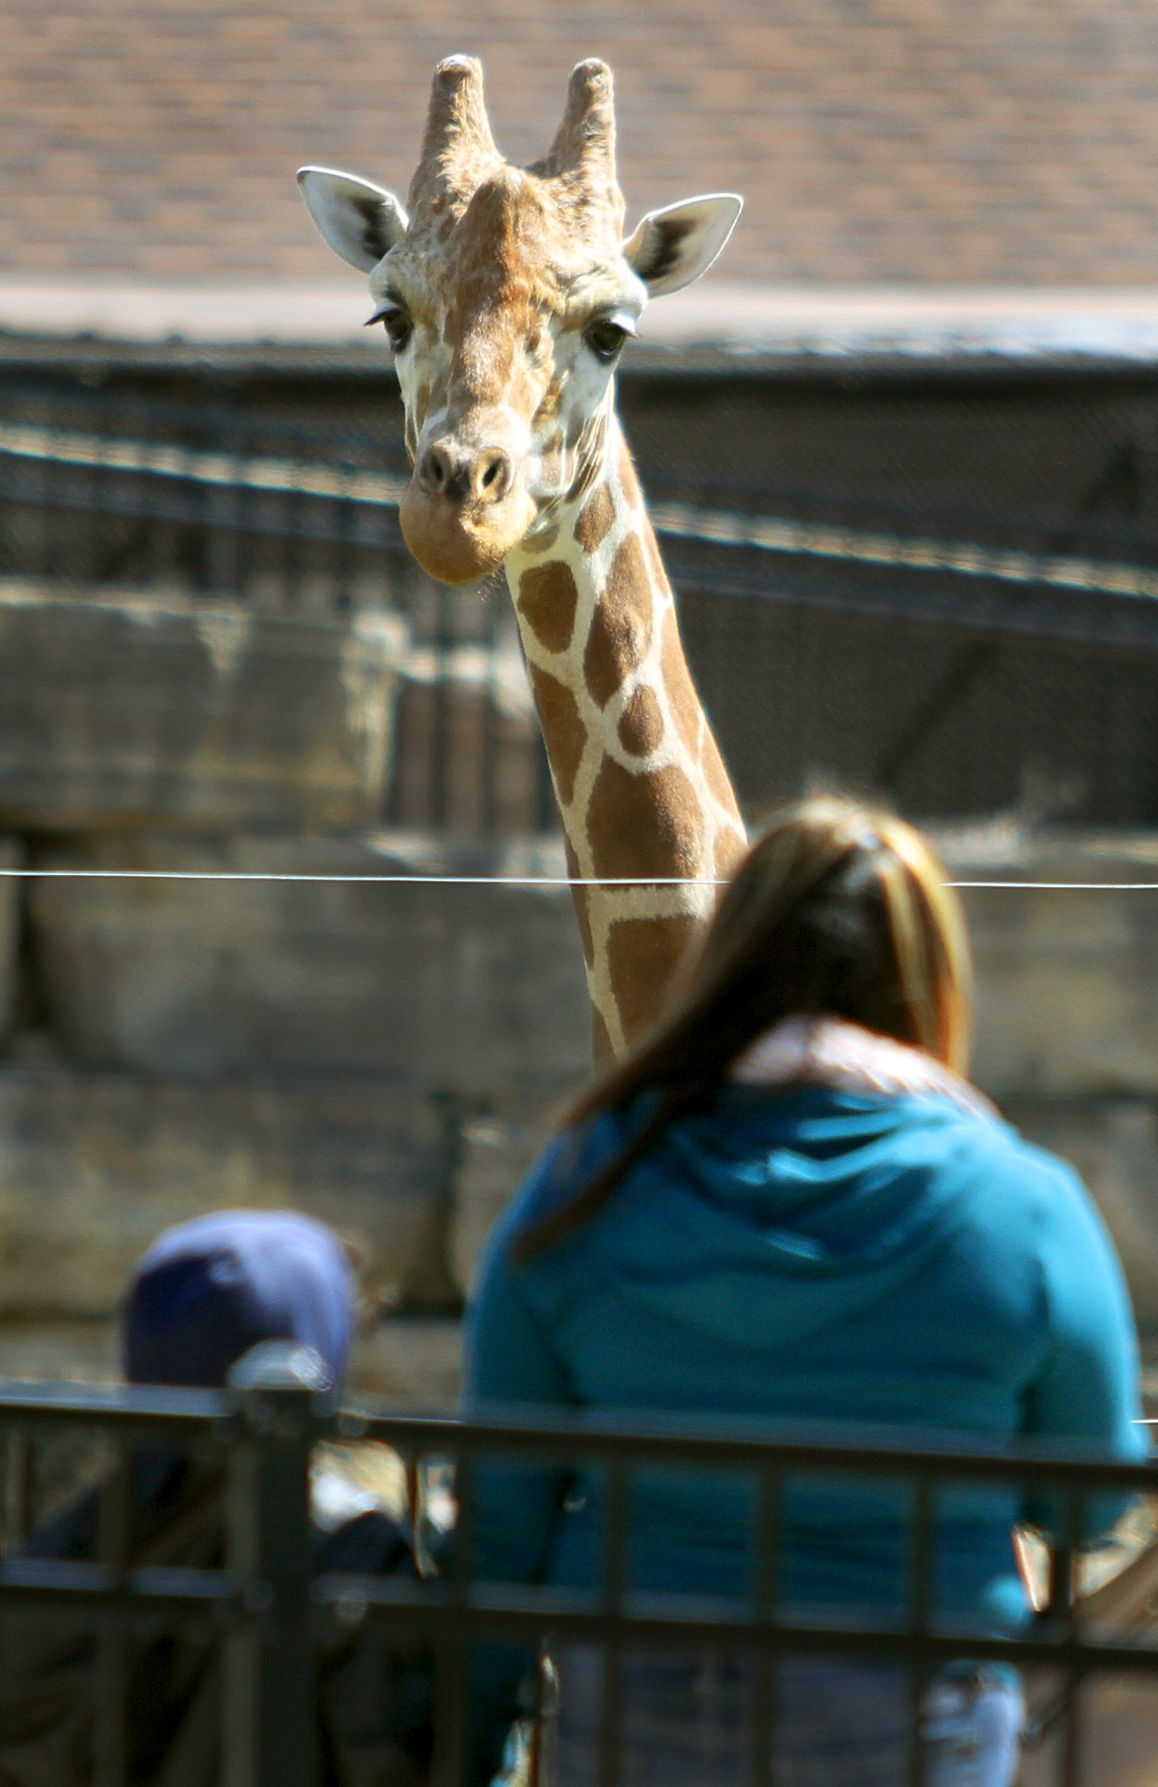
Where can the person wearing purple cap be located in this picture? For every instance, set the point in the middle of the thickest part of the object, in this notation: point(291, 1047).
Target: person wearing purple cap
point(208, 1290)
point(200, 1298)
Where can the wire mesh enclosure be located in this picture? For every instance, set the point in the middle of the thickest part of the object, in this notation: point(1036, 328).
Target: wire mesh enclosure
point(205, 507)
point(936, 586)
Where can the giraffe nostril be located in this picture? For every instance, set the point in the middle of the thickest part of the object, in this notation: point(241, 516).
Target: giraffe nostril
point(459, 475)
point(435, 469)
point(492, 476)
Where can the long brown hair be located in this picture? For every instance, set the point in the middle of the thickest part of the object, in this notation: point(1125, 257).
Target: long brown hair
point(838, 908)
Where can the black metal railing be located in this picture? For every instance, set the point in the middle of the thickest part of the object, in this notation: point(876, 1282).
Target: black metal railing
point(268, 1599)
point(258, 1606)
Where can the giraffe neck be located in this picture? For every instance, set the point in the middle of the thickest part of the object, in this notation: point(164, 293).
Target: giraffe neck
point(641, 787)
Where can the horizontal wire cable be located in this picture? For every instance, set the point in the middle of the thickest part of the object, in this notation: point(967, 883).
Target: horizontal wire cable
point(1070, 886)
point(388, 880)
point(30, 874)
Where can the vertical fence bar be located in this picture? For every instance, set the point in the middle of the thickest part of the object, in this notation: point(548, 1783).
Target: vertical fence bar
point(1063, 1602)
point(153, 559)
point(111, 1736)
point(343, 556)
point(90, 566)
point(764, 1672)
point(291, 549)
point(920, 1598)
point(452, 1656)
point(270, 1703)
point(220, 524)
point(616, 1517)
point(245, 506)
point(49, 530)
point(19, 1481)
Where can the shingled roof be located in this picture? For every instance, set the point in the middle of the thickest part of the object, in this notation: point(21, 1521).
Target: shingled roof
point(880, 142)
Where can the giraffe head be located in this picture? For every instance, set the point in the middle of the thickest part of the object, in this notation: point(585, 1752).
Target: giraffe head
point(507, 294)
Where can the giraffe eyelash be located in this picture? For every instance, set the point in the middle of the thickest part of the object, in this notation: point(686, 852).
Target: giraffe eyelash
point(399, 327)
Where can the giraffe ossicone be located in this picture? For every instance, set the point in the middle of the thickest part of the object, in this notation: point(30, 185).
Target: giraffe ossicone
point(507, 294)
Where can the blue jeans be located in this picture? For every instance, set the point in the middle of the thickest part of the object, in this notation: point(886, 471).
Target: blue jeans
point(690, 1723)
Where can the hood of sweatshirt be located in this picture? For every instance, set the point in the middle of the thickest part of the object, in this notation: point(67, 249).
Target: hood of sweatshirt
point(771, 1217)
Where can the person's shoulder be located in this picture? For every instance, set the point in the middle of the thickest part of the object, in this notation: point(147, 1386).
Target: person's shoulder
point(1016, 1174)
point(1038, 1167)
point(567, 1164)
point(568, 1161)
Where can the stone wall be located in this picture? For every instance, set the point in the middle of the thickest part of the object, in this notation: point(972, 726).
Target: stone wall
point(470, 989)
point(386, 1055)
point(382, 1052)
point(374, 1051)
point(1067, 1017)
point(130, 710)
point(172, 1042)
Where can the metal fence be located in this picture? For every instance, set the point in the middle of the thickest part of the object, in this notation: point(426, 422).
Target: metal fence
point(269, 1603)
point(208, 505)
point(913, 640)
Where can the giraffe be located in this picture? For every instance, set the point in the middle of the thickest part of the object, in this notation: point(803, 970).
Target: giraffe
point(507, 294)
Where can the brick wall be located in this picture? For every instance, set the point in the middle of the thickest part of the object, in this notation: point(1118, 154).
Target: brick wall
point(877, 140)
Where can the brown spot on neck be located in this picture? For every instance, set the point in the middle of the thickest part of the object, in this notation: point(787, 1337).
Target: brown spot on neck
point(547, 602)
point(643, 956)
point(563, 730)
point(602, 1052)
point(595, 519)
point(692, 725)
point(641, 723)
point(645, 822)
point(621, 625)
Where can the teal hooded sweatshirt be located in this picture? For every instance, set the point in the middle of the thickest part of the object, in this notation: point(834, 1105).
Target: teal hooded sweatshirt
point(806, 1256)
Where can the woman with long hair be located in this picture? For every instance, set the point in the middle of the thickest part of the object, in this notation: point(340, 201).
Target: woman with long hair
point(789, 1203)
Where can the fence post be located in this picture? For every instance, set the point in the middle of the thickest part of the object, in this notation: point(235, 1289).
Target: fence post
point(270, 1700)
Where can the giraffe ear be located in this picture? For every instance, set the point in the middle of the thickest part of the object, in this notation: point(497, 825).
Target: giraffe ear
point(670, 248)
point(359, 220)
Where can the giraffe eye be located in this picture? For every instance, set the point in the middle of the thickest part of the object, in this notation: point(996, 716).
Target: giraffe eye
point(605, 337)
point(397, 324)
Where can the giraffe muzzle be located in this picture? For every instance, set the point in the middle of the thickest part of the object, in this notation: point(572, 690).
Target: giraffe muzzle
point(464, 509)
point(474, 476)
